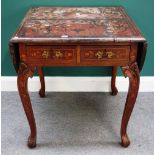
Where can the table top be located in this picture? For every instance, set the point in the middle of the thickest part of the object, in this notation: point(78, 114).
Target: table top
point(82, 24)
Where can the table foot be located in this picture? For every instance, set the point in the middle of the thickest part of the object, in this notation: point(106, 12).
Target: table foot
point(23, 74)
point(132, 73)
point(114, 90)
point(42, 93)
point(42, 81)
point(125, 142)
point(31, 142)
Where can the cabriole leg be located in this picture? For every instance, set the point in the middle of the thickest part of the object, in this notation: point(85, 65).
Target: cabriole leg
point(42, 81)
point(114, 90)
point(132, 73)
point(23, 74)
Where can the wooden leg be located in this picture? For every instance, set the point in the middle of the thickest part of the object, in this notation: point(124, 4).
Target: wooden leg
point(132, 73)
point(42, 81)
point(23, 74)
point(114, 90)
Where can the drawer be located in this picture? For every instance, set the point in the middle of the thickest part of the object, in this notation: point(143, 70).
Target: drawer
point(52, 54)
point(104, 55)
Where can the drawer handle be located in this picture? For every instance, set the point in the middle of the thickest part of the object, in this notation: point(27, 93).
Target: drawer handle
point(99, 54)
point(45, 54)
point(58, 54)
point(109, 54)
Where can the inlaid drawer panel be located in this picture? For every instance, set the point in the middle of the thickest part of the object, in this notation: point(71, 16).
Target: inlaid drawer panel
point(104, 54)
point(52, 54)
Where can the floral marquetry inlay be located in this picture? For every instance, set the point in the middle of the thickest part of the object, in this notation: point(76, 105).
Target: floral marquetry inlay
point(76, 23)
point(104, 53)
point(47, 53)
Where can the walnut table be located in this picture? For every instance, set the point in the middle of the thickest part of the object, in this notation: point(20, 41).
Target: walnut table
point(78, 36)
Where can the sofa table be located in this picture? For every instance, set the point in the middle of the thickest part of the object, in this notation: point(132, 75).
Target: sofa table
point(78, 36)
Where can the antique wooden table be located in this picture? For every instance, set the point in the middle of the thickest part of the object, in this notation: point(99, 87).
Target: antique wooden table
point(78, 36)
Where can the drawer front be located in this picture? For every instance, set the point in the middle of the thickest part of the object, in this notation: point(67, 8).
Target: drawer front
point(116, 55)
point(52, 54)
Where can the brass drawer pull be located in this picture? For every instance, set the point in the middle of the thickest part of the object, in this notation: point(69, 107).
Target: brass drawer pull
point(110, 54)
point(99, 54)
point(45, 54)
point(58, 54)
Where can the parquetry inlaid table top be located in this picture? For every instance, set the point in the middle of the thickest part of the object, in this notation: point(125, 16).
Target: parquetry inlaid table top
point(78, 36)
